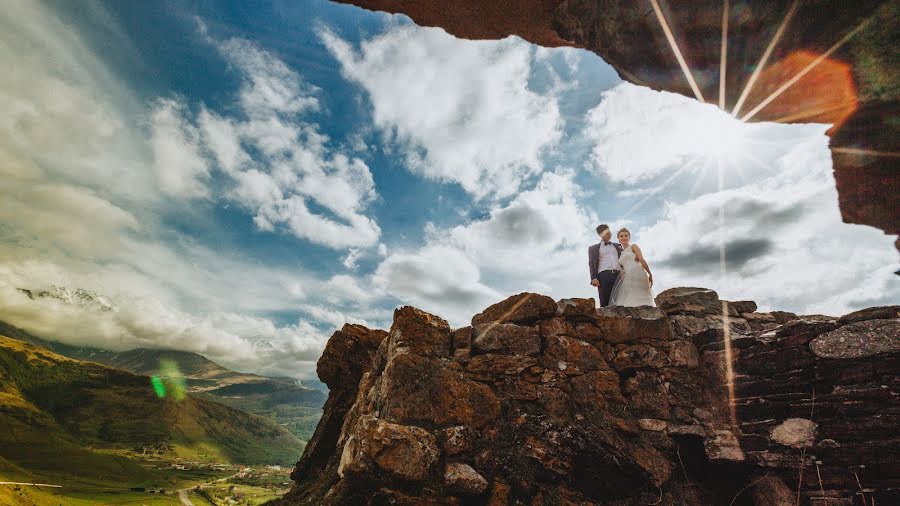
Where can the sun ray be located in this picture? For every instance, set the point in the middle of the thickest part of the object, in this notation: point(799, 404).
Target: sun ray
point(805, 70)
point(723, 56)
point(508, 312)
point(726, 324)
point(865, 152)
point(739, 168)
point(698, 179)
point(754, 159)
point(678, 56)
point(807, 113)
point(765, 57)
point(662, 186)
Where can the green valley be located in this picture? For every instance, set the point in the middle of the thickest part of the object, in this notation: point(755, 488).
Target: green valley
point(102, 433)
point(283, 400)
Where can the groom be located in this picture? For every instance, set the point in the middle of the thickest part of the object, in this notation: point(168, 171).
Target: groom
point(603, 262)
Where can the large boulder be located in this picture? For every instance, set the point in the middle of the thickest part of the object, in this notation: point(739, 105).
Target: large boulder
point(689, 301)
point(872, 313)
point(420, 332)
point(404, 452)
point(632, 324)
point(522, 308)
point(348, 354)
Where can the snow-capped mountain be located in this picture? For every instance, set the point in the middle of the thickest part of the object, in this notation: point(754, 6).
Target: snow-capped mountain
point(79, 296)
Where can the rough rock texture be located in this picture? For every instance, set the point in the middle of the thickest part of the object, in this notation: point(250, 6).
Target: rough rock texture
point(855, 88)
point(347, 356)
point(621, 406)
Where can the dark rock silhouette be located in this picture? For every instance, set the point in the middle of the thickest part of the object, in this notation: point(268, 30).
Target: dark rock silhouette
point(544, 402)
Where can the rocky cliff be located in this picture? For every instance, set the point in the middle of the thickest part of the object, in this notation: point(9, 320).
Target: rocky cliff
point(855, 86)
point(544, 402)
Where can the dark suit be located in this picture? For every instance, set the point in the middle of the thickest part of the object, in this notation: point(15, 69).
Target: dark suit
point(606, 278)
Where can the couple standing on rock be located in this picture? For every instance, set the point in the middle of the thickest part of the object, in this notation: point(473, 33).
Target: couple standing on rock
point(619, 271)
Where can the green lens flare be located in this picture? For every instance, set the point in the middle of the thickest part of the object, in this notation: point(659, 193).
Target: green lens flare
point(171, 376)
point(158, 386)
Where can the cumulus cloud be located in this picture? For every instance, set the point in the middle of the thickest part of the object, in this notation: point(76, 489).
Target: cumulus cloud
point(638, 133)
point(295, 182)
point(786, 245)
point(181, 167)
point(148, 323)
point(538, 241)
point(66, 115)
point(462, 109)
point(436, 278)
point(89, 173)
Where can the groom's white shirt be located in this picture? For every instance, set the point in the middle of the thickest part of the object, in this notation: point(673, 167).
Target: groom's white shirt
point(609, 258)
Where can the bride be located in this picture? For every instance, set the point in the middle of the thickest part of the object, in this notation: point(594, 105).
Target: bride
point(632, 287)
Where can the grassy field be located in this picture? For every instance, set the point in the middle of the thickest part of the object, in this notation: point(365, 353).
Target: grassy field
point(99, 432)
point(161, 486)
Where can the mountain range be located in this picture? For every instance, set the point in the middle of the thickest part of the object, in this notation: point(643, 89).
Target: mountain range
point(76, 422)
point(283, 400)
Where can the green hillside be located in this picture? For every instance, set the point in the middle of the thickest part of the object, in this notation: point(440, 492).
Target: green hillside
point(295, 407)
point(55, 407)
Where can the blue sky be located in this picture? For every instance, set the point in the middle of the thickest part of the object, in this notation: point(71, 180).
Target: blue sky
point(241, 179)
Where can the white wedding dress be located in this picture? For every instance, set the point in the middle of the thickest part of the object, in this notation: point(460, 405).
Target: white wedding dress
point(632, 287)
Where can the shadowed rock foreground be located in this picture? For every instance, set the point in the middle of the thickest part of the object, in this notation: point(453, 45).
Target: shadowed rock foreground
point(544, 402)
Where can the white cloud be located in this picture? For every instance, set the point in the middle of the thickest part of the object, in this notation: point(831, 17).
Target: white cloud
point(436, 278)
point(785, 242)
point(639, 133)
point(462, 108)
point(147, 322)
point(536, 242)
point(66, 115)
point(335, 318)
point(271, 87)
point(350, 259)
point(89, 172)
point(181, 168)
point(787, 247)
point(294, 167)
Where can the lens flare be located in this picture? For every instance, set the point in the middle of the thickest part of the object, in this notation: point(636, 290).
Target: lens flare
point(169, 382)
point(765, 58)
point(671, 38)
point(724, 55)
point(806, 69)
point(158, 387)
point(825, 94)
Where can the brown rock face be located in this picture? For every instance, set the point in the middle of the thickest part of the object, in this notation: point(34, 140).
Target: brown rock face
point(421, 332)
point(347, 357)
point(624, 406)
point(855, 88)
point(521, 308)
point(506, 338)
point(403, 452)
point(461, 478)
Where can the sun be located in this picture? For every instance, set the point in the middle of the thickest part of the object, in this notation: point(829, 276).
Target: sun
point(723, 138)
